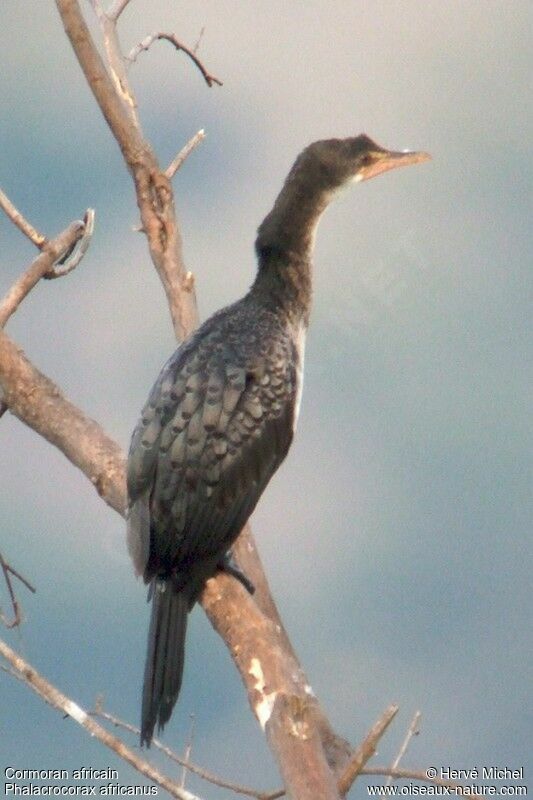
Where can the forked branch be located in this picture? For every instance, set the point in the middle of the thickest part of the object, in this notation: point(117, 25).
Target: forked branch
point(8, 572)
point(413, 730)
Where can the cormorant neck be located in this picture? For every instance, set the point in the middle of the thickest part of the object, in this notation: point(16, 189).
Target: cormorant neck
point(284, 245)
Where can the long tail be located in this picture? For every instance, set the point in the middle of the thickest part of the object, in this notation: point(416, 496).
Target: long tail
point(164, 658)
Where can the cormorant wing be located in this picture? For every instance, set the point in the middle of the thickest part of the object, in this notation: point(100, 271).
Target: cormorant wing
point(214, 430)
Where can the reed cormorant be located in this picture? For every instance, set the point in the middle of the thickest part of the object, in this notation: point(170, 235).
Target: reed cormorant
point(221, 415)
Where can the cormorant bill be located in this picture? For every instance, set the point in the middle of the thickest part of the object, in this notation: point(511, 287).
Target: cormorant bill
point(221, 415)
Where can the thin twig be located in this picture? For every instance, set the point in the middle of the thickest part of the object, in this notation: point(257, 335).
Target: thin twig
point(19, 577)
point(21, 222)
point(14, 604)
point(172, 38)
point(200, 37)
point(200, 771)
point(43, 265)
point(413, 730)
point(366, 749)
point(116, 9)
point(115, 112)
point(184, 153)
point(62, 703)
point(8, 570)
point(188, 752)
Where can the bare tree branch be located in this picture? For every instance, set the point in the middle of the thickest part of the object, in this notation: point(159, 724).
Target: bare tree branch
point(22, 224)
point(114, 111)
point(413, 730)
point(366, 749)
point(28, 675)
point(154, 191)
point(43, 266)
point(148, 41)
point(278, 690)
point(184, 153)
point(37, 401)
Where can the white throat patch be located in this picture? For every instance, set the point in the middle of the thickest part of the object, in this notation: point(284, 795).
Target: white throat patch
point(300, 349)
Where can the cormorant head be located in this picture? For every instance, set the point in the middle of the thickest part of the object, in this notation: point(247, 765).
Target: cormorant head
point(318, 173)
point(332, 163)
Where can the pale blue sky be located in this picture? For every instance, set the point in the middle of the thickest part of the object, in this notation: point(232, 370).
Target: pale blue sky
point(396, 535)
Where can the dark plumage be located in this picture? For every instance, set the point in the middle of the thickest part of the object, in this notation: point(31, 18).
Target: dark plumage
point(221, 415)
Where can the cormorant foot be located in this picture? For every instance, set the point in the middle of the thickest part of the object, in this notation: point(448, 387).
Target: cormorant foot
point(230, 567)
